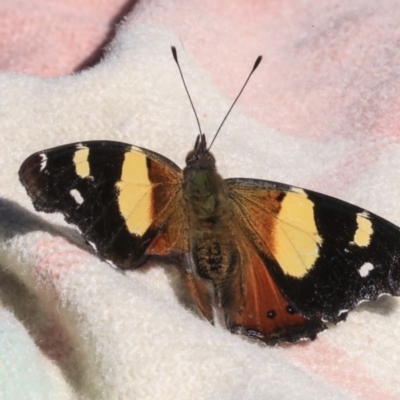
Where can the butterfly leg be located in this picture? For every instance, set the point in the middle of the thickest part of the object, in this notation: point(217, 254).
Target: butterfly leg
point(199, 289)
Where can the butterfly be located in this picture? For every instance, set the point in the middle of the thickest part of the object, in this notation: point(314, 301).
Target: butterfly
point(278, 261)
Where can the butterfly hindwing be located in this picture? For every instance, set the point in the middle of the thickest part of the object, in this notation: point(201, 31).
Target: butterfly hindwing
point(324, 255)
point(266, 314)
point(119, 196)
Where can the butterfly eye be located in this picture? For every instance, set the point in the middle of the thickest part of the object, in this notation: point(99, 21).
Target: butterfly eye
point(191, 157)
point(290, 310)
point(271, 314)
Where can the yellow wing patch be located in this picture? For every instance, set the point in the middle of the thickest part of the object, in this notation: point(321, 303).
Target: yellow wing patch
point(364, 231)
point(135, 188)
point(82, 167)
point(296, 237)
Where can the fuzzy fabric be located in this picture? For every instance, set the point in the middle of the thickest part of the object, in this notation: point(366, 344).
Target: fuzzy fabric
point(321, 112)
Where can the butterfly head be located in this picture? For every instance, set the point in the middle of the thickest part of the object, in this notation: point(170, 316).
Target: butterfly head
point(200, 157)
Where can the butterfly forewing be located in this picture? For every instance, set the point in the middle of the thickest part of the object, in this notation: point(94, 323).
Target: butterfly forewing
point(118, 195)
point(325, 255)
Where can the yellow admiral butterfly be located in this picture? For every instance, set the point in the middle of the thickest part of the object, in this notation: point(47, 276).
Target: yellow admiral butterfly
point(279, 261)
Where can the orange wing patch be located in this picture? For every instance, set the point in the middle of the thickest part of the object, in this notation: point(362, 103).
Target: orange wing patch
point(173, 236)
point(281, 225)
point(168, 211)
point(262, 216)
point(266, 314)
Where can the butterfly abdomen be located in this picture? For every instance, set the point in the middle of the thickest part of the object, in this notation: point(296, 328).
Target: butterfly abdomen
point(209, 220)
point(215, 252)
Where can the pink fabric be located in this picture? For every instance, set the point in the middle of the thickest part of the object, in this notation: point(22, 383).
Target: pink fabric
point(52, 38)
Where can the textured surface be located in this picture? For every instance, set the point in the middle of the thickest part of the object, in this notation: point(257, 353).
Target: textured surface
point(321, 112)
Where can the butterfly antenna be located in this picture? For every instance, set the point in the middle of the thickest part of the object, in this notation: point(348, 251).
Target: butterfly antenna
point(175, 55)
point(256, 64)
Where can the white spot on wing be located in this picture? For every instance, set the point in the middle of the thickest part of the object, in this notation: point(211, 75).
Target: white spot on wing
point(43, 161)
point(112, 264)
point(93, 246)
point(76, 196)
point(365, 269)
point(342, 312)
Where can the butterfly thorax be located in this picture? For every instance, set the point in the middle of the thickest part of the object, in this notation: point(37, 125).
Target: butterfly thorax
point(211, 243)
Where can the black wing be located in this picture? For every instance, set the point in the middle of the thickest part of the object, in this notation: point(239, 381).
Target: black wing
point(325, 255)
point(119, 196)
